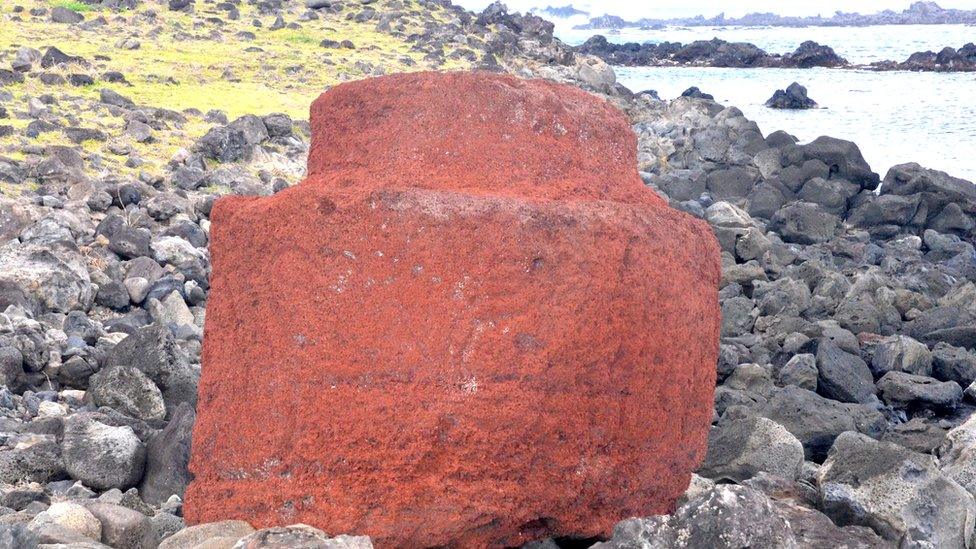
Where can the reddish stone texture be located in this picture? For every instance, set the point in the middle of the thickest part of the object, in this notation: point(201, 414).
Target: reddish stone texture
point(472, 325)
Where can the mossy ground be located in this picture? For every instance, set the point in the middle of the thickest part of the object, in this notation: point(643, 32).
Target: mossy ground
point(193, 61)
point(73, 5)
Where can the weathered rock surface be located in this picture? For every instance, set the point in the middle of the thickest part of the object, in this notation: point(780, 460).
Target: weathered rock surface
point(726, 516)
point(913, 392)
point(127, 389)
point(39, 462)
point(899, 493)
point(168, 456)
point(817, 421)
point(224, 533)
point(957, 455)
point(122, 528)
point(738, 449)
point(301, 536)
point(102, 456)
point(953, 364)
point(902, 354)
point(843, 376)
point(474, 404)
point(804, 223)
point(44, 278)
point(72, 516)
point(942, 203)
point(154, 352)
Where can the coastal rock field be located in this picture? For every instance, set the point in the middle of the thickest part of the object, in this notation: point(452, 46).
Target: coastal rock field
point(846, 369)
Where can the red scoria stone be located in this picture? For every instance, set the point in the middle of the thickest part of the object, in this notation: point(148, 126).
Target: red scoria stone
point(472, 325)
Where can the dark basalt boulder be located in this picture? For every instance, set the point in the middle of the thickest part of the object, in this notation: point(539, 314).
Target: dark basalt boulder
point(697, 50)
point(528, 25)
point(181, 5)
point(817, 421)
point(946, 60)
point(10, 77)
point(793, 97)
point(696, 93)
point(60, 14)
point(899, 493)
point(54, 57)
point(723, 516)
point(804, 223)
point(599, 45)
point(948, 203)
point(738, 55)
point(812, 54)
point(843, 159)
point(912, 392)
point(168, 455)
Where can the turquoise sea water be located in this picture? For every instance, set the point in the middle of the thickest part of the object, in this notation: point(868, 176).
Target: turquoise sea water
point(894, 117)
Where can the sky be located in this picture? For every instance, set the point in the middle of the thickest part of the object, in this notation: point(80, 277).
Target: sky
point(661, 9)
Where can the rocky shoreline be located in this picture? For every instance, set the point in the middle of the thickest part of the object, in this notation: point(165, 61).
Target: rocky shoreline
point(848, 354)
point(743, 55)
point(709, 53)
point(946, 60)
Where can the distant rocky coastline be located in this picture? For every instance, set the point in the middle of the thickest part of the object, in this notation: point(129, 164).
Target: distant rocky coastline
point(919, 13)
point(710, 53)
point(743, 55)
point(563, 12)
point(946, 60)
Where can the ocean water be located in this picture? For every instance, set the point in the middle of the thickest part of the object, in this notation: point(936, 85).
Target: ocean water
point(894, 117)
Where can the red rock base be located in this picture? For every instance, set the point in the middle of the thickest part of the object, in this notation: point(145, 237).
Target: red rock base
point(471, 326)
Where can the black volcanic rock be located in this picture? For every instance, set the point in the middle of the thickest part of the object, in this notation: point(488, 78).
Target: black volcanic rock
point(793, 97)
point(181, 5)
point(843, 159)
point(812, 54)
point(720, 53)
point(738, 54)
point(10, 77)
point(528, 25)
point(709, 53)
point(696, 93)
point(947, 60)
point(60, 14)
point(54, 57)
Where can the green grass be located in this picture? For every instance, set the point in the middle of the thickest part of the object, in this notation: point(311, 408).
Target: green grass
point(286, 73)
point(73, 5)
point(301, 38)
